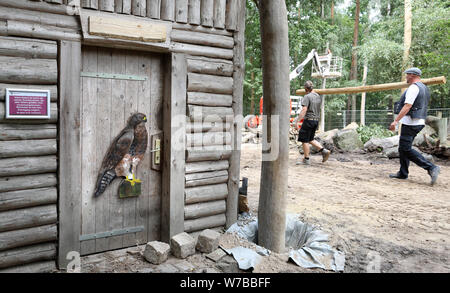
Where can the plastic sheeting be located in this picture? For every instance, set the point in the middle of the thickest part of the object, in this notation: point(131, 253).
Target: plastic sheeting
point(308, 246)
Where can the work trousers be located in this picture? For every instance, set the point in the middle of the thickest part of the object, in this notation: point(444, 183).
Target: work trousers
point(407, 153)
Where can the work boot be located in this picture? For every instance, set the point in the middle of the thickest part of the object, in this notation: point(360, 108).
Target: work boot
point(325, 155)
point(397, 176)
point(434, 173)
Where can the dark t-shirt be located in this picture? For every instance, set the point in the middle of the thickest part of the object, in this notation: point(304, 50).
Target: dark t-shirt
point(313, 101)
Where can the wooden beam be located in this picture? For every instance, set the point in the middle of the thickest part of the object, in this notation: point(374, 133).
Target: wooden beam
point(69, 204)
point(28, 217)
point(173, 167)
point(22, 237)
point(373, 88)
point(23, 148)
point(27, 182)
point(204, 223)
point(28, 254)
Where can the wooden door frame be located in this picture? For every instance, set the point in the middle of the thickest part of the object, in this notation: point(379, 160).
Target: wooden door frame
point(69, 172)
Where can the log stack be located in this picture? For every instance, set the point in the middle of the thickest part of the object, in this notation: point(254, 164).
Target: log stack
point(28, 149)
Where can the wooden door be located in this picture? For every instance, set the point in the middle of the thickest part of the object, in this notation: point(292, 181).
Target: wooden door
point(109, 222)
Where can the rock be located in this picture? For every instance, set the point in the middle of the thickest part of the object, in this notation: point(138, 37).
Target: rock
point(184, 266)
point(228, 265)
point(208, 241)
point(156, 252)
point(216, 255)
point(352, 125)
point(182, 245)
point(433, 122)
point(348, 140)
point(167, 268)
point(381, 144)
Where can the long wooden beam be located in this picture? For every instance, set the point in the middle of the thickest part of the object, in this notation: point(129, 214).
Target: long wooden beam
point(372, 88)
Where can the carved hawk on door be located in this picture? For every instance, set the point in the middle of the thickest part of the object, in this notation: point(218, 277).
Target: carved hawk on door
point(124, 153)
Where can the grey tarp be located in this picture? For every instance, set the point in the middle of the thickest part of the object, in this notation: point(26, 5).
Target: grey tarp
point(308, 246)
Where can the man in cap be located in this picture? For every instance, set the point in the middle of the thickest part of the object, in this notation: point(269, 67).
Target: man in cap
point(311, 103)
point(413, 106)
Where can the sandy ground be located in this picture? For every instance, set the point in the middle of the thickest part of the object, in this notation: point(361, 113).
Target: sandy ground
point(382, 224)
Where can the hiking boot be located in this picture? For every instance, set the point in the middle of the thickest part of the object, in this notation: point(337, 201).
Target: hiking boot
point(434, 173)
point(397, 176)
point(303, 162)
point(325, 155)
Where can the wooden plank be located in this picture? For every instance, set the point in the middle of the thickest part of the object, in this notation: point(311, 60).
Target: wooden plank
point(210, 83)
point(206, 178)
point(69, 204)
point(204, 39)
point(198, 50)
point(54, 1)
point(89, 4)
point(27, 198)
point(29, 5)
point(181, 11)
point(118, 98)
point(112, 27)
point(53, 89)
point(206, 166)
point(208, 139)
point(238, 87)
point(373, 88)
point(103, 140)
point(21, 148)
point(194, 12)
point(207, 126)
point(174, 141)
point(155, 127)
point(16, 133)
point(62, 21)
point(27, 165)
point(53, 116)
point(219, 13)
point(88, 134)
point(216, 114)
point(207, 155)
point(21, 47)
point(106, 5)
point(41, 31)
point(131, 106)
point(205, 193)
point(143, 170)
point(207, 13)
point(207, 67)
point(139, 7)
point(28, 254)
point(201, 29)
point(28, 217)
point(38, 267)
point(168, 10)
point(232, 14)
point(122, 6)
point(21, 70)
point(209, 99)
point(204, 209)
point(28, 236)
point(27, 182)
point(154, 9)
point(204, 223)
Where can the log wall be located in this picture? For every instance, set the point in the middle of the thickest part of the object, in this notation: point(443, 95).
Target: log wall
point(28, 150)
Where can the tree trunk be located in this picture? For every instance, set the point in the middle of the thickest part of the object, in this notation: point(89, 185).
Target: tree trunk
point(332, 12)
point(274, 171)
point(252, 96)
point(407, 39)
point(354, 66)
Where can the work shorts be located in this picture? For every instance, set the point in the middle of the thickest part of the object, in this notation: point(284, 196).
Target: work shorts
point(308, 130)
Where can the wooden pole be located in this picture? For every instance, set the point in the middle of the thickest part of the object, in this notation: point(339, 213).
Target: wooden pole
point(274, 170)
point(363, 97)
point(373, 88)
point(406, 38)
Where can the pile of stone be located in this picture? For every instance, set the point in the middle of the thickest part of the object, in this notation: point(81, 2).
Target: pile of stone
point(181, 246)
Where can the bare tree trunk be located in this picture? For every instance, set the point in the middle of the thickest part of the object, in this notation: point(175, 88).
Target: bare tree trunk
point(274, 170)
point(354, 66)
point(407, 39)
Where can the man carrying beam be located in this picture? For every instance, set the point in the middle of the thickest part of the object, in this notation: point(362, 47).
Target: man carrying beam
point(412, 112)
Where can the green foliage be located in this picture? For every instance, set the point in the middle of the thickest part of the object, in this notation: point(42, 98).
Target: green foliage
point(367, 132)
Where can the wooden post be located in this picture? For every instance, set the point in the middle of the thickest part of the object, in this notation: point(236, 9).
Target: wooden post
point(363, 97)
point(69, 150)
point(274, 172)
point(173, 167)
point(238, 81)
point(322, 108)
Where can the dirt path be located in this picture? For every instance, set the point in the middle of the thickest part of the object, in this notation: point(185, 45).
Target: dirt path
point(382, 224)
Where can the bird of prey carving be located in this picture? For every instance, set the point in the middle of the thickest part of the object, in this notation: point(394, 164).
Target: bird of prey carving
point(124, 153)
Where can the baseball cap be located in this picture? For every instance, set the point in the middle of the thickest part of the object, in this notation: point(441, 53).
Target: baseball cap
point(413, 70)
